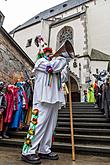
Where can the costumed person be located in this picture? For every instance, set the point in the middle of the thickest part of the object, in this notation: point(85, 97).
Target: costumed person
point(107, 98)
point(29, 94)
point(85, 95)
point(48, 98)
point(66, 91)
point(91, 98)
point(2, 106)
point(101, 97)
point(96, 92)
point(19, 114)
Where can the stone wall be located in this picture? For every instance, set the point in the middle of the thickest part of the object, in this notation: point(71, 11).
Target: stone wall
point(12, 59)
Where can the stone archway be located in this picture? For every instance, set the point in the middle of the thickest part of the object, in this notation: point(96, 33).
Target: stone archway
point(75, 88)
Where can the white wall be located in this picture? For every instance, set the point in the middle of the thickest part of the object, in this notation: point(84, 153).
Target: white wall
point(22, 36)
point(42, 28)
point(99, 26)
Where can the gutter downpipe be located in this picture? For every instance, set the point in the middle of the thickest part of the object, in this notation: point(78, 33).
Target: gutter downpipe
point(49, 35)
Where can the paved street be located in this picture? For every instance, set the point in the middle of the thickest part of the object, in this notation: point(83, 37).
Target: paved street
point(12, 157)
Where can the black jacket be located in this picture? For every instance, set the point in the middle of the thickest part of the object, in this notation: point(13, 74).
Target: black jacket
point(2, 101)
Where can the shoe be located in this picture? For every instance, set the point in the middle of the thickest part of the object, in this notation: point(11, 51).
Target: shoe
point(96, 106)
point(50, 156)
point(5, 136)
point(32, 159)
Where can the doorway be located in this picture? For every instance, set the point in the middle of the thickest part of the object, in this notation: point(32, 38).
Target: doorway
point(75, 92)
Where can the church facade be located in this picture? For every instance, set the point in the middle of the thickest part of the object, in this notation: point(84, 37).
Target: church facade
point(85, 23)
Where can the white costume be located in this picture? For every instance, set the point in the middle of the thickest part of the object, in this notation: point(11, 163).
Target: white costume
point(48, 98)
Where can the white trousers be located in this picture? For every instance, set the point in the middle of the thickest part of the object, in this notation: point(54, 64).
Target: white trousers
point(47, 119)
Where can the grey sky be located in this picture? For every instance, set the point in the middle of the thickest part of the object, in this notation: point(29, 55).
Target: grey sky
point(18, 11)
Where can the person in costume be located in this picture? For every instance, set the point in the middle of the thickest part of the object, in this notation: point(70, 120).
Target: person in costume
point(107, 98)
point(2, 106)
point(91, 97)
point(66, 91)
point(85, 95)
point(96, 93)
point(47, 99)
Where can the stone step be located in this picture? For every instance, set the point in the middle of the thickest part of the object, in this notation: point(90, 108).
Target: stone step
point(60, 137)
point(83, 148)
point(84, 124)
point(81, 104)
point(85, 139)
point(62, 147)
point(80, 112)
point(87, 131)
point(91, 131)
point(12, 142)
point(66, 130)
point(80, 109)
point(98, 120)
point(81, 115)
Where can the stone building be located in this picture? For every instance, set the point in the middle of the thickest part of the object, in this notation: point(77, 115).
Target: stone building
point(12, 58)
point(85, 23)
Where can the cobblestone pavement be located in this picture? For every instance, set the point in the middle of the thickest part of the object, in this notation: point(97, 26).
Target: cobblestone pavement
point(9, 156)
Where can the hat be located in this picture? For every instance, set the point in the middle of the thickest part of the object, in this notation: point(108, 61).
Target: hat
point(47, 49)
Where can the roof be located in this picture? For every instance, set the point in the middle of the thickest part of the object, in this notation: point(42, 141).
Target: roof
point(99, 56)
point(16, 45)
point(67, 5)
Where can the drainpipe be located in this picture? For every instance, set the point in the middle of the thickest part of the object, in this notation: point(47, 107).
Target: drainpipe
point(49, 35)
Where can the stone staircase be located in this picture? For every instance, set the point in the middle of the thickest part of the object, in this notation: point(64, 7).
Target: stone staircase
point(91, 131)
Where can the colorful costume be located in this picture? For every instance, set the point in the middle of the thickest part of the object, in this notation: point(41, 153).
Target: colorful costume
point(10, 104)
point(19, 114)
point(48, 98)
point(91, 97)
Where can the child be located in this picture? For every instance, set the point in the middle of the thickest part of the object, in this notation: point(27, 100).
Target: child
point(85, 95)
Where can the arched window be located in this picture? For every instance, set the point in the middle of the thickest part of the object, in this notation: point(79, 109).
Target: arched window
point(66, 33)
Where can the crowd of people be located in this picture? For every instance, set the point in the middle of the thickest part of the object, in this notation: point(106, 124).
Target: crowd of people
point(100, 95)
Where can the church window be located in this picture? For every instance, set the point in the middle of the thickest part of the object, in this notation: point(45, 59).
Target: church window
point(66, 33)
point(29, 42)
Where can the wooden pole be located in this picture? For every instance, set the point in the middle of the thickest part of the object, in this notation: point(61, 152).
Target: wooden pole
point(71, 120)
